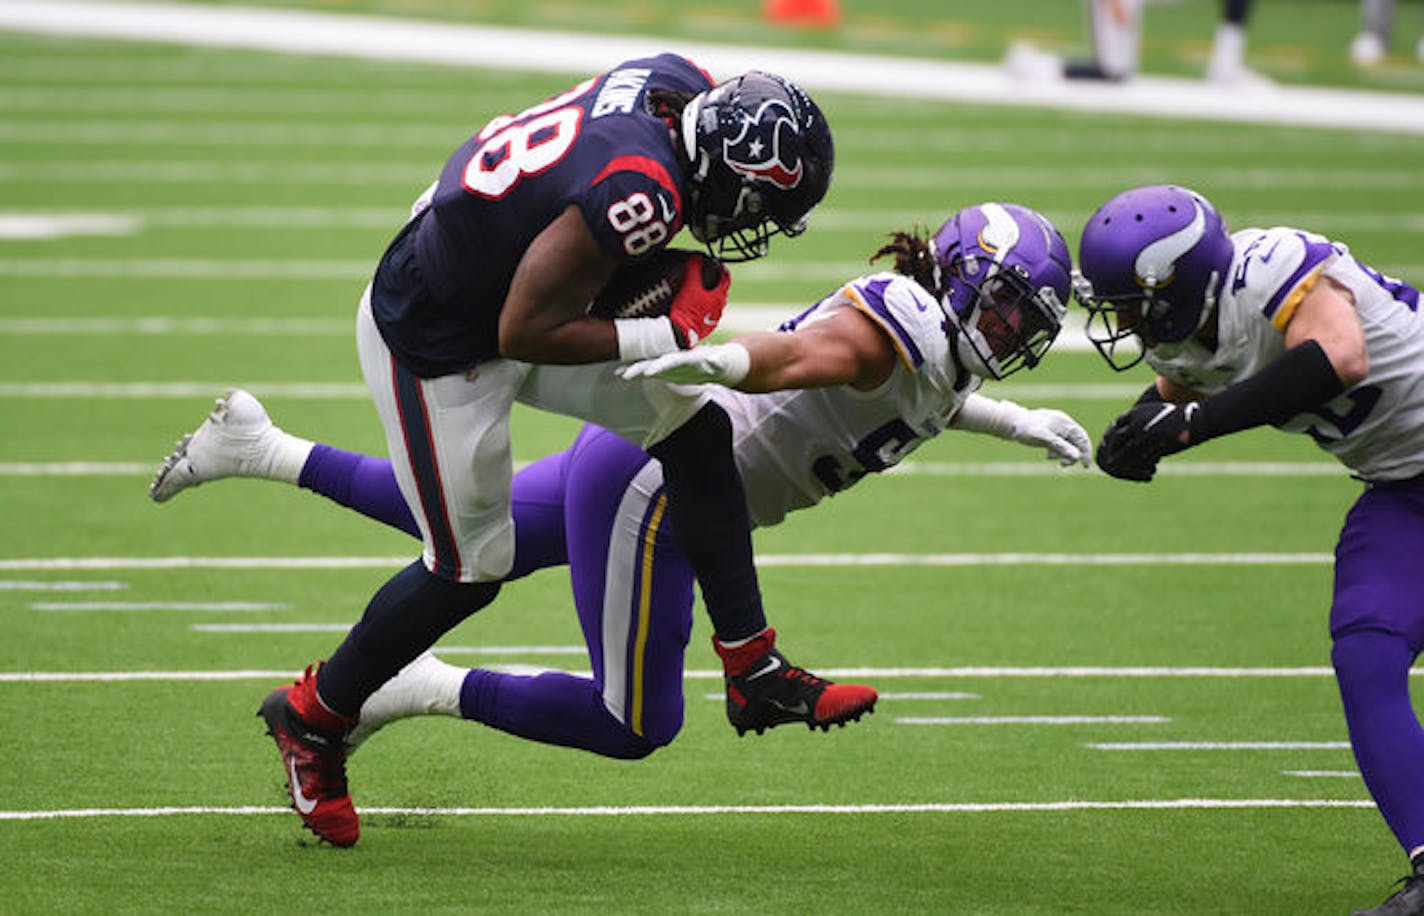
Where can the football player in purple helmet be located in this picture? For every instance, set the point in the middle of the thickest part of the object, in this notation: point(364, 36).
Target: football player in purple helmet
point(842, 391)
point(1285, 327)
point(1154, 294)
point(482, 299)
point(1004, 275)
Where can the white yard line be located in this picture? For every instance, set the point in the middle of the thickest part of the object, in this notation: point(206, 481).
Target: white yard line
point(172, 326)
point(896, 697)
point(1047, 559)
point(1323, 774)
point(1032, 720)
point(127, 606)
point(984, 672)
point(389, 38)
point(105, 677)
point(1221, 746)
point(78, 469)
point(24, 585)
point(1184, 468)
point(64, 225)
point(339, 391)
point(187, 268)
point(1168, 804)
point(270, 627)
point(768, 560)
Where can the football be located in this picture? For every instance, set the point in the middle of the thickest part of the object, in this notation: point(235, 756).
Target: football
point(648, 288)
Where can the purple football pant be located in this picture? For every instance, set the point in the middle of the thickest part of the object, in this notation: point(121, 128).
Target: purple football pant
point(598, 507)
point(1377, 624)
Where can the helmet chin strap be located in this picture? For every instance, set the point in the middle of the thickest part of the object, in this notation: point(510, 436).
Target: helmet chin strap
point(967, 346)
point(962, 373)
point(964, 349)
point(690, 112)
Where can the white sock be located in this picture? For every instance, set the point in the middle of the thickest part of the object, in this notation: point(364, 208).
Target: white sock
point(287, 458)
point(1228, 49)
point(445, 683)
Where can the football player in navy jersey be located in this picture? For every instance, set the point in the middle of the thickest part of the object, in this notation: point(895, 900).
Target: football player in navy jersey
point(482, 298)
point(858, 381)
point(1286, 327)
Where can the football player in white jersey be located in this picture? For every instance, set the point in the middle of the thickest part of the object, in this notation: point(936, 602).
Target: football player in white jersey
point(1286, 327)
point(860, 379)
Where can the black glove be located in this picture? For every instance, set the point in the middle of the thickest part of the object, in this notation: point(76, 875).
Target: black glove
point(1143, 435)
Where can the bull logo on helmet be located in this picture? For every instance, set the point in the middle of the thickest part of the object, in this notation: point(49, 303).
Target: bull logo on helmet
point(757, 151)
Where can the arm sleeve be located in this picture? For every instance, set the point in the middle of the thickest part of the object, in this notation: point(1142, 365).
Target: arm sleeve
point(1302, 378)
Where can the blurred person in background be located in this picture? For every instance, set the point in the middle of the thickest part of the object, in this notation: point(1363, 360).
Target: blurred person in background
point(1377, 32)
point(1116, 27)
point(1227, 63)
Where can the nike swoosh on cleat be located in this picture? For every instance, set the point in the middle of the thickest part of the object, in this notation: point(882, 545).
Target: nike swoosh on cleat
point(800, 709)
point(772, 664)
point(304, 805)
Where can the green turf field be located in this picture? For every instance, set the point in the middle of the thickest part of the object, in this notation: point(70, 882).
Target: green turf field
point(235, 203)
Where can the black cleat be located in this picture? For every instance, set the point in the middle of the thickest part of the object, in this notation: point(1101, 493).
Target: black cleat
point(1407, 901)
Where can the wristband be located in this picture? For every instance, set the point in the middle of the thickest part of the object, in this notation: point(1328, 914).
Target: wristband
point(644, 338)
point(734, 362)
point(986, 415)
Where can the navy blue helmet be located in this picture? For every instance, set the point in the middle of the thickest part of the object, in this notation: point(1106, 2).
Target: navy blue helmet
point(761, 156)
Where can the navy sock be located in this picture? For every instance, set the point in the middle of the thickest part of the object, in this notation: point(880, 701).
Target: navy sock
point(707, 506)
point(406, 617)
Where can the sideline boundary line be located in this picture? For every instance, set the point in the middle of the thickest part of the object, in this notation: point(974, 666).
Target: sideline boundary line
point(397, 39)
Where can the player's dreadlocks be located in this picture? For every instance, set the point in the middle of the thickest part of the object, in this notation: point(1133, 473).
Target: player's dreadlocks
point(914, 259)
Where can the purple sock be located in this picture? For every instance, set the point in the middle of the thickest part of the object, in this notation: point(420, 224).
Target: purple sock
point(358, 482)
point(1372, 668)
point(552, 707)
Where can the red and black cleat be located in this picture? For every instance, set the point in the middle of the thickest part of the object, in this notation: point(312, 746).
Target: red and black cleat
point(310, 739)
point(764, 690)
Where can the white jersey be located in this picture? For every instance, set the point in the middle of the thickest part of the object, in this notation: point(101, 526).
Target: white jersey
point(794, 448)
point(1377, 428)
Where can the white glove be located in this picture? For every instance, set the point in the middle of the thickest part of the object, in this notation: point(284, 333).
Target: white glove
point(1060, 434)
point(726, 364)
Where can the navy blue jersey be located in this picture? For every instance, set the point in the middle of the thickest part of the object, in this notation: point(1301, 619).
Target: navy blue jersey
point(442, 283)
